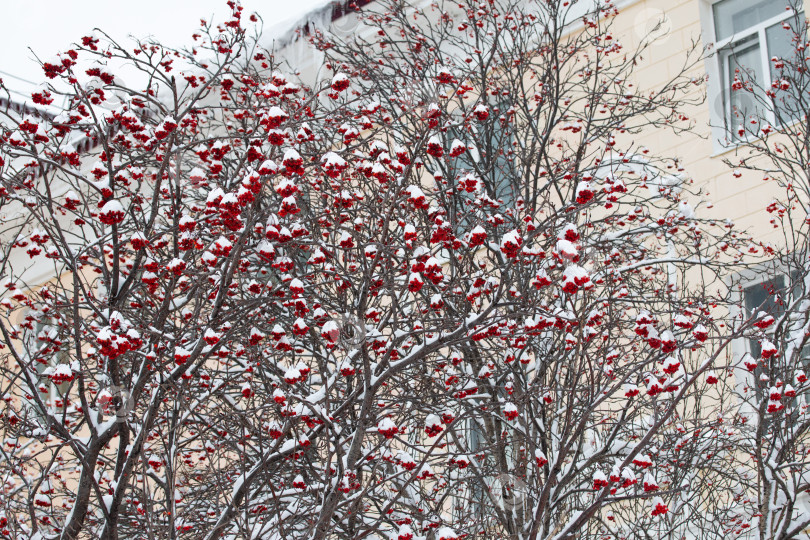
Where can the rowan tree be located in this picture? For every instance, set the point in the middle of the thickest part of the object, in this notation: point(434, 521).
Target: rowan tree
point(443, 291)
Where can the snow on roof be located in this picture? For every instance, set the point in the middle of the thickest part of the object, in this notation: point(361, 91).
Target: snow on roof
point(303, 17)
point(18, 87)
point(309, 15)
point(284, 30)
point(286, 37)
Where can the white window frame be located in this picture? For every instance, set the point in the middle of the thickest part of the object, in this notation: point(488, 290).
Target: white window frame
point(722, 138)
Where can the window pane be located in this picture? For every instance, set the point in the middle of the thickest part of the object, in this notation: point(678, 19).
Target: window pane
point(492, 166)
point(743, 64)
point(476, 435)
point(768, 296)
point(780, 45)
point(734, 16)
point(772, 297)
point(464, 211)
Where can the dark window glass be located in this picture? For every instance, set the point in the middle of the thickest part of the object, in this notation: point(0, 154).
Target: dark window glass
point(773, 297)
point(490, 163)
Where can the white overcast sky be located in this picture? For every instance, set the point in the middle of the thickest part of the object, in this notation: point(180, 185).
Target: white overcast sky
point(49, 26)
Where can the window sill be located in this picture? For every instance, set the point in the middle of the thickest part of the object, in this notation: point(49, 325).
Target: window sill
point(735, 145)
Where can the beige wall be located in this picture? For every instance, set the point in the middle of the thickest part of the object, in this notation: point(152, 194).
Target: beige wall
point(741, 199)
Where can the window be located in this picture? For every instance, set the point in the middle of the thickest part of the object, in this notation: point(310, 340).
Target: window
point(489, 160)
point(768, 296)
point(476, 439)
point(744, 80)
point(773, 297)
point(42, 344)
point(494, 485)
